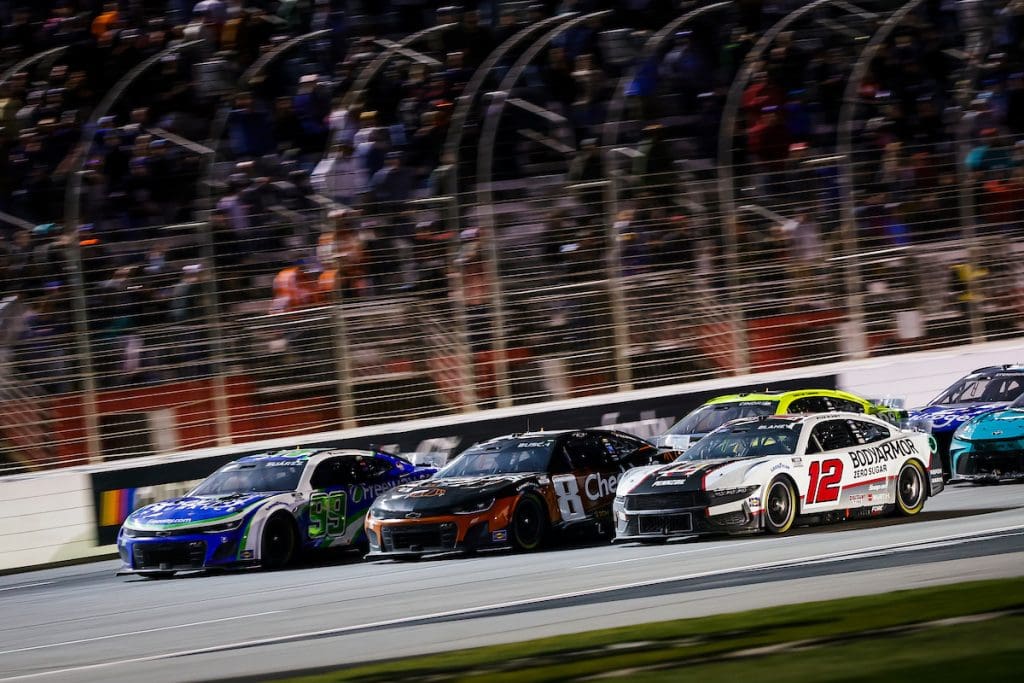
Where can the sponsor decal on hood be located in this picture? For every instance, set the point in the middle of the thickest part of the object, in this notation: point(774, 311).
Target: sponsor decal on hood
point(193, 510)
point(435, 496)
point(687, 475)
point(948, 417)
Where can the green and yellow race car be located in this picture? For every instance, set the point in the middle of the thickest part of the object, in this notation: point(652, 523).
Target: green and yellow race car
point(722, 409)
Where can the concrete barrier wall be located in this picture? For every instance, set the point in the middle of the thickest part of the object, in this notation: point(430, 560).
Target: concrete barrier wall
point(46, 519)
point(50, 517)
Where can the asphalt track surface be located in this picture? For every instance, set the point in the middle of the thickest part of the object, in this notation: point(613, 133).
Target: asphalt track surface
point(82, 623)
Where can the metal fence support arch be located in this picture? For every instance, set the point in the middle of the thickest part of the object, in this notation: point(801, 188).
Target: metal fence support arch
point(485, 197)
point(367, 73)
point(844, 149)
point(726, 180)
point(221, 119)
point(651, 48)
point(72, 194)
point(848, 225)
point(457, 125)
point(31, 61)
point(965, 195)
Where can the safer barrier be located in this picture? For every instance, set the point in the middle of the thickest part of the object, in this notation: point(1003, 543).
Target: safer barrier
point(73, 514)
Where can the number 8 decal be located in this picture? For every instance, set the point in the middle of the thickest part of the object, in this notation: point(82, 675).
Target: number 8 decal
point(825, 478)
point(569, 502)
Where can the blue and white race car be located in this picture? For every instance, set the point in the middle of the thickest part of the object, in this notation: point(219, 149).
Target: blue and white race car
point(983, 390)
point(262, 510)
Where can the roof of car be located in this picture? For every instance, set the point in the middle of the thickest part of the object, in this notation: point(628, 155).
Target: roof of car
point(1012, 368)
point(301, 454)
point(790, 394)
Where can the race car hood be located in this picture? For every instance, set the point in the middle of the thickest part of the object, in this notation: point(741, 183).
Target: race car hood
point(946, 418)
point(193, 510)
point(998, 424)
point(682, 476)
point(441, 496)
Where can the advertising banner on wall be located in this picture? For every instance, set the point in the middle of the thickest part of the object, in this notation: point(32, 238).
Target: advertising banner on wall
point(117, 492)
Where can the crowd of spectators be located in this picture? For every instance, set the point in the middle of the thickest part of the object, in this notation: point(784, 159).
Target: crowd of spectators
point(312, 190)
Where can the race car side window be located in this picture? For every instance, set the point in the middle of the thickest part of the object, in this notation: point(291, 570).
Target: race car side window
point(845, 405)
point(809, 404)
point(831, 435)
point(370, 469)
point(869, 432)
point(632, 449)
point(598, 451)
point(331, 473)
point(584, 452)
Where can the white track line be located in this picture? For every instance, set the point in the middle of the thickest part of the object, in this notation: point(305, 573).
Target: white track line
point(689, 551)
point(26, 585)
point(467, 611)
point(135, 633)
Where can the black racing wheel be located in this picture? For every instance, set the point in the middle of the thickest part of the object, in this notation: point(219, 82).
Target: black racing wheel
point(278, 543)
point(910, 488)
point(528, 523)
point(779, 506)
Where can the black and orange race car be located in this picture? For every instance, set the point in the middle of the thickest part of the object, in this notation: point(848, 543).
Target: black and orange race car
point(513, 491)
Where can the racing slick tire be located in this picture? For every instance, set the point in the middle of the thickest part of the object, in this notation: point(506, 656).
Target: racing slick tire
point(910, 489)
point(779, 506)
point(277, 547)
point(526, 531)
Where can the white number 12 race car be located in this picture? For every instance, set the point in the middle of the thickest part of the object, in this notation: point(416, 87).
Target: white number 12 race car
point(773, 472)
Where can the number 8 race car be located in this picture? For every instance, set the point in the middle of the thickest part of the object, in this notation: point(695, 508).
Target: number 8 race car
point(769, 473)
point(509, 492)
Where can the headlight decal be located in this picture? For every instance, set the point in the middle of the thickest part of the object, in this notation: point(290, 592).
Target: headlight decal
point(475, 507)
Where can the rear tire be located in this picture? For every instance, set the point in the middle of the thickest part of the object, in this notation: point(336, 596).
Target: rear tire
point(528, 524)
point(910, 489)
point(779, 506)
point(277, 547)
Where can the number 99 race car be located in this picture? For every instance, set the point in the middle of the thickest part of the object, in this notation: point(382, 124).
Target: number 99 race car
point(509, 492)
point(262, 510)
point(771, 472)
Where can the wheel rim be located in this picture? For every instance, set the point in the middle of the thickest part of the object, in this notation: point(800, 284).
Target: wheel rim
point(910, 487)
point(527, 524)
point(780, 504)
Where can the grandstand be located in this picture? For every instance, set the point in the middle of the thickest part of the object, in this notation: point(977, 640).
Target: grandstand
point(231, 220)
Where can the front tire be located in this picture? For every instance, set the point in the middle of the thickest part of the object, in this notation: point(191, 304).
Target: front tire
point(528, 524)
point(910, 491)
point(779, 506)
point(277, 546)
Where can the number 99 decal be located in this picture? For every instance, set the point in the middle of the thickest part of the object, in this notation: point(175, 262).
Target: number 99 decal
point(327, 514)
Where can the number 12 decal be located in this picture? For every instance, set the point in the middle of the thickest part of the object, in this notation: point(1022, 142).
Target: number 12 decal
point(825, 477)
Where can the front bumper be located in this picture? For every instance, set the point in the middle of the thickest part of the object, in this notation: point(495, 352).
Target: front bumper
point(186, 552)
point(987, 460)
point(681, 523)
point(404, 537)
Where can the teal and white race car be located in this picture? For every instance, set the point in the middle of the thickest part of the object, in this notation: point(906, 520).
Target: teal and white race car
point(990, 447)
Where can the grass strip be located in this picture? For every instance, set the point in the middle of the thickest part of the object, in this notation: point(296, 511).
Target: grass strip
point(847, 640)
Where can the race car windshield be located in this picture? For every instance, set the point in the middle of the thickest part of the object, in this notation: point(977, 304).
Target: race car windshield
point(505, 457)
point(745, 442)
point(270, 475)
point(983, 389)
point(708, 418)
